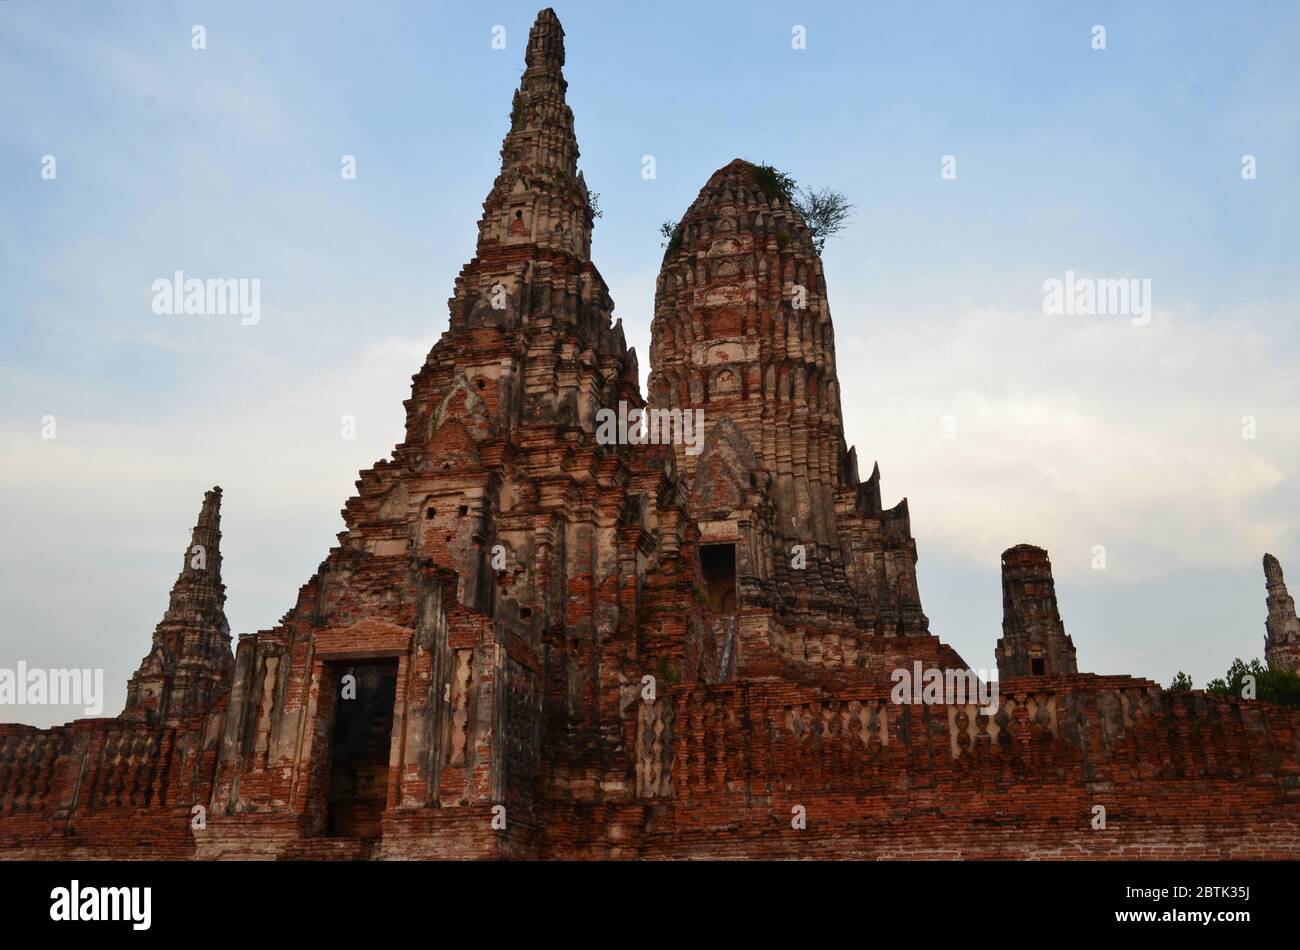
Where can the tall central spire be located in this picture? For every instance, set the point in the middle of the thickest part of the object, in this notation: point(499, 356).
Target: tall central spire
point(540, 197)
point(531, 280)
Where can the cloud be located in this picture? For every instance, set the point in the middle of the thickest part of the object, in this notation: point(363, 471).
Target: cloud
point(1072, 432)
point(95, 522)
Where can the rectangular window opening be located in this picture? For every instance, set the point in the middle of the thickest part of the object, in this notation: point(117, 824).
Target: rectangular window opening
point(718, 565)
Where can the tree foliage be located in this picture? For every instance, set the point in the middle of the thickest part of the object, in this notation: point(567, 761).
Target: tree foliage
point(1273, 686)
point(824, 210)
point(773, 182)
point(671, 232)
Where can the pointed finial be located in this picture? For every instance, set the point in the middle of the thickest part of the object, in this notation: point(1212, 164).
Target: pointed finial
point(545, 41)
point(537, 197)
point(1282, 626)
point(198, 589)
point(210, 512)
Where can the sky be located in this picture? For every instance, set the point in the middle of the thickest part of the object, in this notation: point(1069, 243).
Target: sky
point(999, 423)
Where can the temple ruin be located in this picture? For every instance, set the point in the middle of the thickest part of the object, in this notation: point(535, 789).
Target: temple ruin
point(533, 642)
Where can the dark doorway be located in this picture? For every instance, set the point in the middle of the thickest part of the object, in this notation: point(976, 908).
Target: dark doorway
point(1037, 667)
point(360, 743)
point(718, 565)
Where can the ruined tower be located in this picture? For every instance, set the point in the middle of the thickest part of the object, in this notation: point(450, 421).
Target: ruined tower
point(1034, 641)
point(742, 332)
point(1282, 639)
point(190, 662)
point(491, 573)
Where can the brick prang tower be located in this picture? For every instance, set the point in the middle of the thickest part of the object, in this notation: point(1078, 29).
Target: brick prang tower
point(742, 332)
point(189, 664)
point(1034, 641)
point(1282, 628)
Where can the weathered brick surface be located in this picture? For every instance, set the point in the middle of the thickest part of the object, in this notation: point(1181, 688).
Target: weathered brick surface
point(569, 680)
point(1033, 637)
point(1282, 636)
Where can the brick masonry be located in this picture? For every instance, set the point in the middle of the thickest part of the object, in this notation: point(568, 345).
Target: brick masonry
point(569, 679)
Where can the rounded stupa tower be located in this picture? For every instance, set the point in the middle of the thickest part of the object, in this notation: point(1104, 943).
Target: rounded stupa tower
point(742, 331)
point(742, 338)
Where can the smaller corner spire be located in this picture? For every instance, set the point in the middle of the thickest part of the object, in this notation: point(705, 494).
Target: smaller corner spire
point(189, 663)
point(1282, 627)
